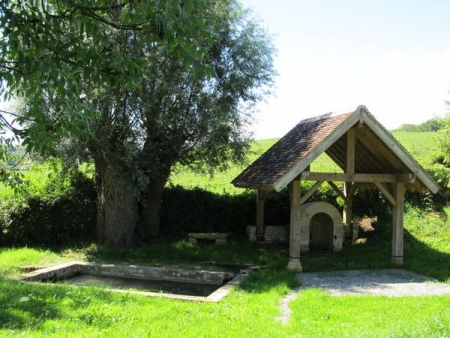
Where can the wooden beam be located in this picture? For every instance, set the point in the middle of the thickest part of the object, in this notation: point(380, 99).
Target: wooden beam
point(350, 168)
point(294, 264)
point(310, 192)
point(352, 190)
point(400, 152)
point(367, 178)
point(347, 213)
point(336, 188)
point(397, 226)
point(386, 193)
point(261, 196)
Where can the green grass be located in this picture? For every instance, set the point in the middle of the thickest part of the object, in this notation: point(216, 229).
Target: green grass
point(420, 145)
point(317, 314)
point(61, 311)
point(16, 260)
point(31, 310)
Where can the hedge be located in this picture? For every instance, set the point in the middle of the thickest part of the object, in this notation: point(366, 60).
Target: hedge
point(65, 211)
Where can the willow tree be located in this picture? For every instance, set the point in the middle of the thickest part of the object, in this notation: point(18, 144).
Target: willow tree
point(61, 57)
point(52, 53)
point(138, 105)
point(176, 116)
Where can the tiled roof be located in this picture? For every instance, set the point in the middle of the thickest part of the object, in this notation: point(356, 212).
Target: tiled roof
point(376, 152)
point(288, 151)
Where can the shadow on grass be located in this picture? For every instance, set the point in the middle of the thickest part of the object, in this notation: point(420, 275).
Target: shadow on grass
point(25, 306)
point(376, 254)
point(421, 258)
point(236, 254)
point(266, 280)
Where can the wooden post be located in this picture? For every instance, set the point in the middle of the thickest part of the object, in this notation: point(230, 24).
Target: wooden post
point(347, 213)
point(349, 169)
point(294, 238)
point(260, 200)
point(397, 224)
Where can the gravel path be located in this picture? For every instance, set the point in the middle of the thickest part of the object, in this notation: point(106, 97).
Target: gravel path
point(391, 283)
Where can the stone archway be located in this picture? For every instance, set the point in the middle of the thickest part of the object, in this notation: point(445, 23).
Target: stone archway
point(315, 212)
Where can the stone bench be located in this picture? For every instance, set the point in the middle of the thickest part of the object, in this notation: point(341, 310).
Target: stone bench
point(219, 238)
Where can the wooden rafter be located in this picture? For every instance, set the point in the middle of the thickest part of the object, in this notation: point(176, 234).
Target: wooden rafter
point(366, 178)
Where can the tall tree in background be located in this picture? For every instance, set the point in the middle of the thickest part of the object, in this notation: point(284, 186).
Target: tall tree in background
point(440, 167)
point(52, 52)
point(144, 108)
point(62, 59)
point(174, 116)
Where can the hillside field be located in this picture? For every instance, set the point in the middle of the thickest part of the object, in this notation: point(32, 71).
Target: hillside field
point(420, 145)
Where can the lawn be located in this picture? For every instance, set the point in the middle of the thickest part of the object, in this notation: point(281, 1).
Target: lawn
point(253, 309)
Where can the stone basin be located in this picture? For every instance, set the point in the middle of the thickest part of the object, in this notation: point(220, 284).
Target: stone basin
point(224, 282)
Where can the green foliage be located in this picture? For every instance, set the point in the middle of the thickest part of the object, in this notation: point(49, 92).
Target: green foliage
point(440, 166)
point(431, 125)
point(52, 52)
point(427, 239)
point(58, 212)
point(198, 210)
point(138, 86)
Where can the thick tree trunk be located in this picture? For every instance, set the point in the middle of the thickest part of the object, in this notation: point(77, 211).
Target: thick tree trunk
point(151, 208)
point(117, 208)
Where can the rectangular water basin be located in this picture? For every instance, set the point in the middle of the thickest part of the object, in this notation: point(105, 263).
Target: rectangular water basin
point(197, 285)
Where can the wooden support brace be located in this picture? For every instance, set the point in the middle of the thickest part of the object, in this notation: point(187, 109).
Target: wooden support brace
point(310, 192)
point(386, 193)
point(336, 188)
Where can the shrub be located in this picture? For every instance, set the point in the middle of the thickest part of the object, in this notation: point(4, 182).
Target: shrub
point(62, 212)
point(199, 210)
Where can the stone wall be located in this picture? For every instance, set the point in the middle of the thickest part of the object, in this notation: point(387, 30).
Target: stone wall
point(272, 233)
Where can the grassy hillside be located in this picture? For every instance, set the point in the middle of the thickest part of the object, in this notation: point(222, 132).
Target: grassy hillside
point(420, 145)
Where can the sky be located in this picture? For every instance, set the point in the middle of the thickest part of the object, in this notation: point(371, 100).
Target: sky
point(391, 56)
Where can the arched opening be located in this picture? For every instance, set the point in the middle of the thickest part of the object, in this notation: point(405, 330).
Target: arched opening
point(321, 233)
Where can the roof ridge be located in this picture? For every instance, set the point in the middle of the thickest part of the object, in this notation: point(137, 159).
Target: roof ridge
point(327, 115)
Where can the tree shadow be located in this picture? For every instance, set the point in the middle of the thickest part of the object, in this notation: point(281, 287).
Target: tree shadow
point(26, 306)
point(266, 280)
point(421, 258)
